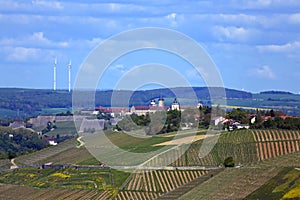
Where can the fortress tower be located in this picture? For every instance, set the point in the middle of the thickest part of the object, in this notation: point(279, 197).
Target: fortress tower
point(161, 102)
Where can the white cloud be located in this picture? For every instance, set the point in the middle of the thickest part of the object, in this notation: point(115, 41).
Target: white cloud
point(84, 43)
point(118, 68)
point(22, 54)
point(174, 19)
point(230, 33)
point(237, 18)
point(294, 18)
point(171, 16)
point(35, 5)
point(264, 72)
point(288, 47)
point(259, 4)
point(37, 39)
point(47, 4)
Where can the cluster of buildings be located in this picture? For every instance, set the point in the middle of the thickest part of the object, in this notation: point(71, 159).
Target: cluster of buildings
point(154, 106)
point(232, 124)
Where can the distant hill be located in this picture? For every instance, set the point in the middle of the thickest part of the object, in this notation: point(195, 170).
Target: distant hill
point(143, 97)
point(275, 92)
point(18, 103)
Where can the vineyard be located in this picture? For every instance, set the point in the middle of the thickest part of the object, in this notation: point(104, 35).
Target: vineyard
point(241, 182)
point(152, 184)
point(240, 145)
point(39, 157)
point(273, 143)
point(259, 152)
point(244, 146)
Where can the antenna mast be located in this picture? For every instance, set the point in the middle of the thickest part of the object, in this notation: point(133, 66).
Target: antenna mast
point(69, 67)
point(54, 74)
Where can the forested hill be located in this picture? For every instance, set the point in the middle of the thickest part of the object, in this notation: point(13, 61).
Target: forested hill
point(32, 100)
point(23, 103)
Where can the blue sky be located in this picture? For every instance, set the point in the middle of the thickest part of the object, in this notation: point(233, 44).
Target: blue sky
point(254, 43)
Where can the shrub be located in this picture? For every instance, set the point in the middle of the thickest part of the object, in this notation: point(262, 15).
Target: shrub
point(229, 162)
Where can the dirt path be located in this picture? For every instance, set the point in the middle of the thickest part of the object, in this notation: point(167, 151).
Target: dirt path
point(14, 166)
point(80, 141)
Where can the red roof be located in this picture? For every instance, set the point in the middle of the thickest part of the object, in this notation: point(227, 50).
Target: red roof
point(111, 110)
point(142, 107)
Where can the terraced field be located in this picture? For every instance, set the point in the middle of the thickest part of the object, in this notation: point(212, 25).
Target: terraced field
point(261, 153)
point(273, 143)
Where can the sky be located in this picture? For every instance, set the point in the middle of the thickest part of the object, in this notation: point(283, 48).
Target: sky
point(254, 44)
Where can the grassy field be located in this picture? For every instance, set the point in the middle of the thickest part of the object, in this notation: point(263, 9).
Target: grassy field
point(135, 144)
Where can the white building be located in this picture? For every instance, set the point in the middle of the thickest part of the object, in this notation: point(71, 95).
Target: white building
point(216, 120)
point(175, 105)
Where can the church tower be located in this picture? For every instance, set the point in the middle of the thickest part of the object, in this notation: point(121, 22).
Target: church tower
point(175, 105)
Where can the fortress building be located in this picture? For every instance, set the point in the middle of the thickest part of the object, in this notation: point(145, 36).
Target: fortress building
point(153, 107)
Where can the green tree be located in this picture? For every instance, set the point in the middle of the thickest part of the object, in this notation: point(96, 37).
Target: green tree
point(11, 155)
point(239, 115)
point(229, 162)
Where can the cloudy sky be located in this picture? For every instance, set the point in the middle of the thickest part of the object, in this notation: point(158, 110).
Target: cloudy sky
point(255, 44)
